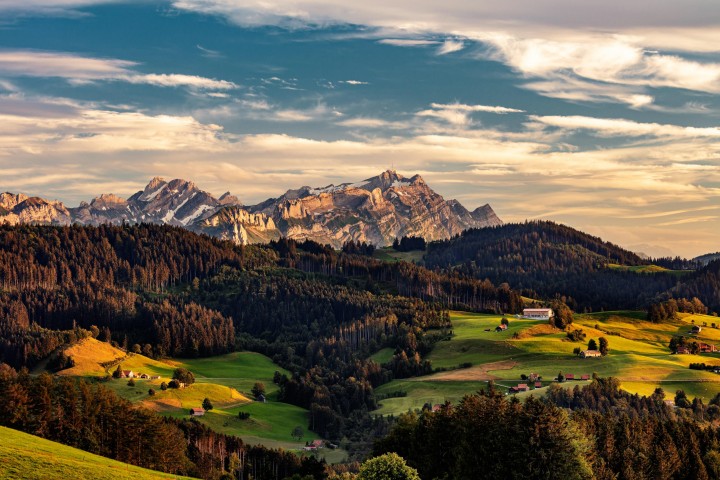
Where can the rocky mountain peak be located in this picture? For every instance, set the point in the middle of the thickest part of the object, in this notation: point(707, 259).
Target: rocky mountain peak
point(155, 183)
point(107, 199)
point(376, 210)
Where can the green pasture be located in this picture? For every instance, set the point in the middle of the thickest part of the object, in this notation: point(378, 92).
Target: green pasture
point(639, 356)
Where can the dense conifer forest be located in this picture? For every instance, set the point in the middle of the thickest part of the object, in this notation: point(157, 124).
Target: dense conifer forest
point(543, 259)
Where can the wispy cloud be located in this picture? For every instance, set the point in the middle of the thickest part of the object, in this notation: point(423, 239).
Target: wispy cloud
point(407, 42)
point(206, 52)
point(80, 69)
point(459, 114)
point(616, 127)
point(450, 46)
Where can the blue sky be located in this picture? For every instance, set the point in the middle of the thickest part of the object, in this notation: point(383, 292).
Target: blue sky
point(604, 117)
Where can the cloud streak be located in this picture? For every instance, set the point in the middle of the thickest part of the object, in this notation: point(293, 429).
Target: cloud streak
point(79, 69)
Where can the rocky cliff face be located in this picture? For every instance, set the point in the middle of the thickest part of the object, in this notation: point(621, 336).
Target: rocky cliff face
point(20, 208)
point(238, 225)
point(376, 210)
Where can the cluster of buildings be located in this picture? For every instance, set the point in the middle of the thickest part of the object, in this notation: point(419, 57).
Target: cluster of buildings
point(131, 374)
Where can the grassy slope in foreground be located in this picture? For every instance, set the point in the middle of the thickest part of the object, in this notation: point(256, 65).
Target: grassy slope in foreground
point(639, 357)
point(29, 457)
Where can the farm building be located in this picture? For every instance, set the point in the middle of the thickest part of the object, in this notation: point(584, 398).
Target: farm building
point(197, 412)
point(570, 376)
point(707, 348)
point(521, 387)
point(590, 354)
point(585, 377)
point(683, 350)
point(501, 328)
point(127, 374)
point(538, 313)
point(538, 384)
point(695, 329)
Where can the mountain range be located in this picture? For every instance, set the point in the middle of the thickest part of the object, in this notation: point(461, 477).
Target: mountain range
point(376, 210)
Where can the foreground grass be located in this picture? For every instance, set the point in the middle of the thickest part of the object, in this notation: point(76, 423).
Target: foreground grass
point(639, 357)
point(29, 457)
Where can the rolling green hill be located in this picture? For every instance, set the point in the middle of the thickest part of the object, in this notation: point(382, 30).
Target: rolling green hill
point(226, 380)
point(29, 457)
point(639, 357)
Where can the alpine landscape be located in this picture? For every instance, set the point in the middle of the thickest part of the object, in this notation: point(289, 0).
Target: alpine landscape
point(462, 241)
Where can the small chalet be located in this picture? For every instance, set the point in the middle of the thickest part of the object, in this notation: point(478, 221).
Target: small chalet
point(683, 350)
point(695, 329)
point(585, 377)
point(317, 443)
point(590, 354)
point(144, 375)
point(521, 387)
point(261, 398)
point(570, 376)
point(127, 374)
point(155, 377)
point(538, 313)
point(197, 412)
point(538, 384)
point(707, 348)
point(501, 328)
point(436, 407)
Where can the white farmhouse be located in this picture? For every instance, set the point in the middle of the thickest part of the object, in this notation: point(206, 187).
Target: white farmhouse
point(538, 313)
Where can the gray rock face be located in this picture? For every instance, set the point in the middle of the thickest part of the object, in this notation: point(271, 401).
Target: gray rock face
point(376, 210)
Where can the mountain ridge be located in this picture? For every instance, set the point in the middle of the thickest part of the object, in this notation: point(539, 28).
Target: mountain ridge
point(376, 210)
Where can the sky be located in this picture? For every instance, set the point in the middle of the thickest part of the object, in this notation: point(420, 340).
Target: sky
point(604, 116)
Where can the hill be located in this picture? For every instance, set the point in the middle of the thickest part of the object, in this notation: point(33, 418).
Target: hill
point(545, 259)
point(639, 357)
point(704, 284)
point(225, 380)
point(707, 258)
point(29, 457)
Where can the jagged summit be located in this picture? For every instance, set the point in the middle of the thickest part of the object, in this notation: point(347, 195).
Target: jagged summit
point(376, 210)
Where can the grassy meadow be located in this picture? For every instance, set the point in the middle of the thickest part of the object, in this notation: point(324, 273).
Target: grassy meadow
point(29, 457)
point(226, 380)
point(639, 357)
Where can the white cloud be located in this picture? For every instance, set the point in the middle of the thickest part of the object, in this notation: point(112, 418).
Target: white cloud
point(79, 69)
point(616, 127)
point(450, 46)
point(459, 114)
point(354, 82)
point(406, 42)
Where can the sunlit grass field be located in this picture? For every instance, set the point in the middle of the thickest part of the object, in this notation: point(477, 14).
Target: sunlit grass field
point(639, 357)
point(24, 456)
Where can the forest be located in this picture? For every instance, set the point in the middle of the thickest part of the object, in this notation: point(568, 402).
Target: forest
point(543, 259)
point(321, 314)
point(597, 431)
